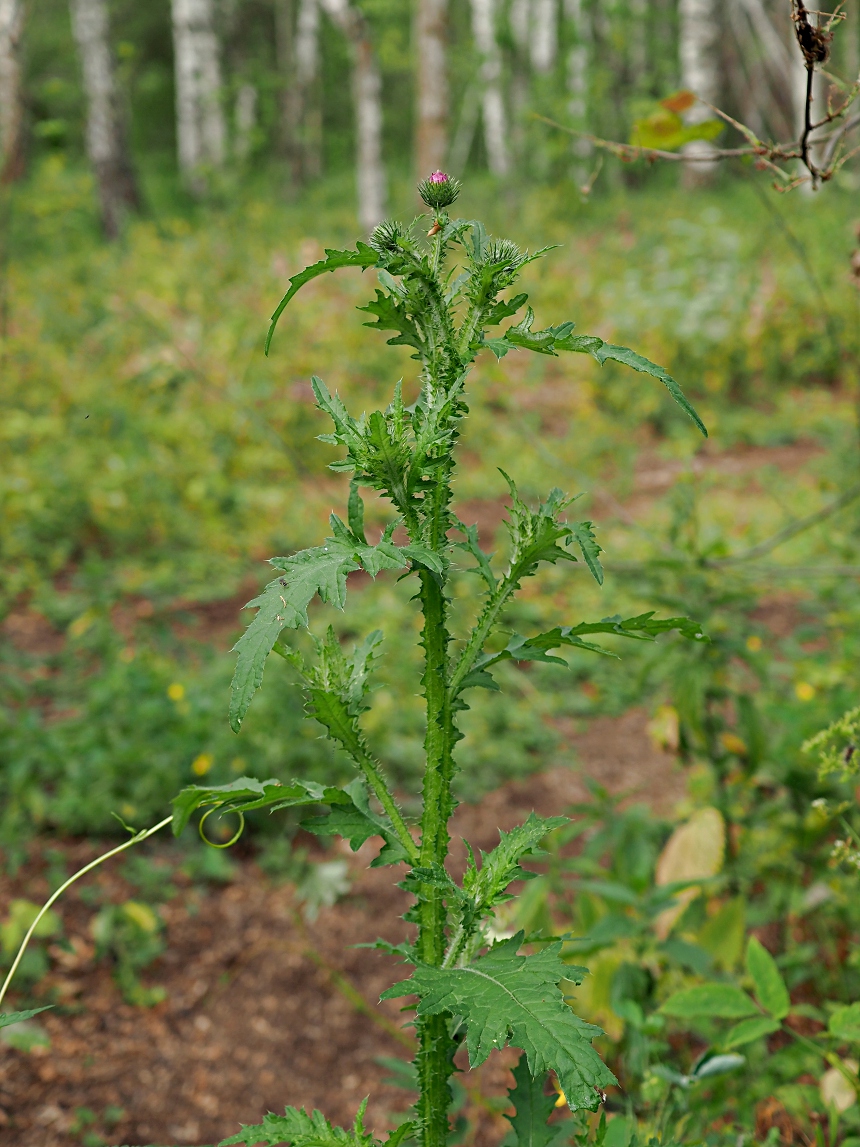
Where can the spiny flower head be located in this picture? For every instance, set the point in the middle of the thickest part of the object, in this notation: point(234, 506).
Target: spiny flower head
point(439, 191)
point(388, 236)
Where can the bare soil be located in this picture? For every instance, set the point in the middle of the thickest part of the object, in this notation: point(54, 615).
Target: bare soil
point(256, 1014)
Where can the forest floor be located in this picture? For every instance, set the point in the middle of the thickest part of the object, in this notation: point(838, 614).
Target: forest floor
point(257, 1013)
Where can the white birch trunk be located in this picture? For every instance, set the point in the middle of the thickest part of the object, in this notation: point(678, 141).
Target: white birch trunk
point(431, 137)
point(367, 97)
point(307, 65)
point(200, 128)
point(492, 102)
point(700, 74)
point(578, 80)
point(11, 152)
point(543, 40)
point(106, 143)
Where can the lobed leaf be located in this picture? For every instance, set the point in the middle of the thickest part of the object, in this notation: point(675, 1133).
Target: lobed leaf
point(645, 366)
point(506, 998)
point(299, 1129)
point(487, 885)
point(283, 604)
point(9, 1018)
point(532, 1109)
point(363, 256)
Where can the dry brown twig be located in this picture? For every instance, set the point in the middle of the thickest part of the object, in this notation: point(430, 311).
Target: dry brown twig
point(814, 39)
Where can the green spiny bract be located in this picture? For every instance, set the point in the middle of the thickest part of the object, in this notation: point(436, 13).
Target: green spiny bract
point(440, 295)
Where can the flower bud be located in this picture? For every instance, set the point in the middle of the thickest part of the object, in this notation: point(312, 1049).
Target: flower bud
point(439, 191)
point(388, 237)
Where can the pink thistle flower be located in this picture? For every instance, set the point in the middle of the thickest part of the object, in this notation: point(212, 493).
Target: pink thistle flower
point(438, 177)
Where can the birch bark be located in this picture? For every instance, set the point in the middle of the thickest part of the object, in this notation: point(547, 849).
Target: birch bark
point(200, 129)
point(367, 97)
point(431, 137)
point(106, 139)
point(492, 102)
point(543, 40)
point(700, 74)
point(11, 143)
point(578, 78)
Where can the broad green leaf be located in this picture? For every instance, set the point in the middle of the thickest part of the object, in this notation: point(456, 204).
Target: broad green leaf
point(645, 366)
point(506, 998)
point(722, 934)
point(363, 256)
point(532, 1109)
point(748, 1030)
point(283, 604)
point(723, 1001)
point(770, 988)
point(9, 1018)
point(302, 1130)
point(845, 1023)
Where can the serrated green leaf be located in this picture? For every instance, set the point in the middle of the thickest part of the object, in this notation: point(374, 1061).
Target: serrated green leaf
point(585, 539)
point(357, 822)
point(299, 1129)
point(723, 1001)
point(532, 1109)
point(844, 1023)
point(637, 362)
point(770, 988)
point(748, 1030)
point(247, 793)
point(506, 998)
point(9, 1018)
point(363, 256)
point(500, 867)
point(284, 602)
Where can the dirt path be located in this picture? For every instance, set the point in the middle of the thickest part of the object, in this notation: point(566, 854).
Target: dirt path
point(253, 1018)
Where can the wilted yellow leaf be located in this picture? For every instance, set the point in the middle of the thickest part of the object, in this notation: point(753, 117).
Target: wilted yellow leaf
point(694, 851)
point(835, 1089)
point(664, 729)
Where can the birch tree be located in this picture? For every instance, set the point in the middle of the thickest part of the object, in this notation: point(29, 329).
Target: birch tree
point(699, 39)
point(200, 128)
point(367, 98)
point(107, 146)
point(297, 30)
point(11, 149)
point(492, 102)
point(431, 137)
point(543, 38)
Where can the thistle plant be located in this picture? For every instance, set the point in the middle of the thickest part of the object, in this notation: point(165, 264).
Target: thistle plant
point(443, 293)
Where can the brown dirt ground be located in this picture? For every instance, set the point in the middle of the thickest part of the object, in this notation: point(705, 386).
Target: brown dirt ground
point(254, 1017)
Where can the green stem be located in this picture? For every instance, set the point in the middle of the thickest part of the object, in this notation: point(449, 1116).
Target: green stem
point(479, 634)
point(136, 839)
point(434, 1061)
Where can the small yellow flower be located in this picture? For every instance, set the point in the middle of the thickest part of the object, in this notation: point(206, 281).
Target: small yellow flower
point(238, 765)
point(202, 764)
point(175, 691)
point(754, 643)
point(804, 691)
point(562, 1098)
point(733, 743)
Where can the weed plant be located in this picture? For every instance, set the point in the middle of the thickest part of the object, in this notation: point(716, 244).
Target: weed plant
point(443, 297)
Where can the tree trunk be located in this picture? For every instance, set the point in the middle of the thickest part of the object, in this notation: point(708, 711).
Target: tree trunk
point(578, 80)
point(543, 40)
point(298, 60)
point(492, 103)
point(200, 129)
point(700, 74)
point(431, 137)
point(367, 97)
point(11, 119)
point(107, 147)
